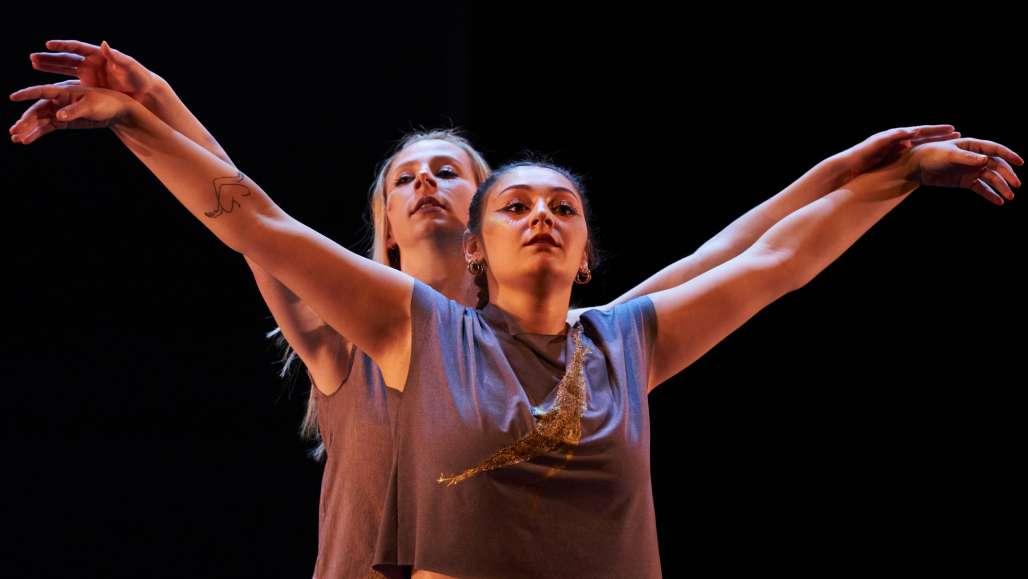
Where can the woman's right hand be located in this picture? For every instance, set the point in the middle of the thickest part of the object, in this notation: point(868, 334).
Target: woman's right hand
point(68, 105)
point(97, 66)
point(93, 66)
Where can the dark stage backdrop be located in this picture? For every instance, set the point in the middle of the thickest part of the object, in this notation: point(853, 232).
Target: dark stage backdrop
point(863, 421)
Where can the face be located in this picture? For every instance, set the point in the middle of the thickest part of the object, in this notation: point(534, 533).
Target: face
point(428, 190)
point(533, 230)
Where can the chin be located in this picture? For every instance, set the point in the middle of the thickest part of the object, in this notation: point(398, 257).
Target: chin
point(433, 228)
point(547, 269)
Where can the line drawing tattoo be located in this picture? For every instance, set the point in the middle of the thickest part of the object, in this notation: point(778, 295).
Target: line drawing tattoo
point(226, 191)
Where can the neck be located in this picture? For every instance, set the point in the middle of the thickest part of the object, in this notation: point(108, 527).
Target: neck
point(537, 310)
point(441, 265)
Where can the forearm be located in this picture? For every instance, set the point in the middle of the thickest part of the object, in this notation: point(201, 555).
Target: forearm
point(163, 102)
point(817, 182)
point(301, 326)
point(225, 200)
point(814, 236)
point(744, 231)
point(375, 303)
point(298, 323)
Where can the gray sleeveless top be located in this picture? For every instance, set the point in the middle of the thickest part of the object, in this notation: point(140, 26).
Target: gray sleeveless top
point(477, 384)
point(356, 424)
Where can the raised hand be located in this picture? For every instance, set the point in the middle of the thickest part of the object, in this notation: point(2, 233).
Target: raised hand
point(976, 164)
point(97, 66)
point(885, 147)
point(93, 66)
point(69, 105)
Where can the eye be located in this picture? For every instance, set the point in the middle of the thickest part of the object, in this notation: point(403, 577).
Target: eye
point(447, 173)
point(510, 207)
point(402, 179)
point(566, 209)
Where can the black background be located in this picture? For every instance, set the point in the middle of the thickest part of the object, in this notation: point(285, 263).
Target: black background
point(866, 421)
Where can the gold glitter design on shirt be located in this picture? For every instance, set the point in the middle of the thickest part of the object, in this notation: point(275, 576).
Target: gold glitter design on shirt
point(562, 423)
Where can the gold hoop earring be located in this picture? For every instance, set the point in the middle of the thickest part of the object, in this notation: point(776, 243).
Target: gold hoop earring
point(476, 268)
point(583, 276)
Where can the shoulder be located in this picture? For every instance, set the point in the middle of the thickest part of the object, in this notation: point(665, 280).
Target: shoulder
point(427, 297)
point(440, 321)
point(637, 313)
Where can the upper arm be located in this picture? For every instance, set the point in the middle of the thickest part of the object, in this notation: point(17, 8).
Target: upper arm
point(371, 301)
point(324, 351)
point(693, 317)
point(300, 325)
point(670, 276)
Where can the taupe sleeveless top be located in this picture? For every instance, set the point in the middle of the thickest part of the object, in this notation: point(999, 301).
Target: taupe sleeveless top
point(356, 424)
point(477, 385)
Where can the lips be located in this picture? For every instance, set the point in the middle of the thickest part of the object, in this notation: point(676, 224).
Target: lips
point(544, 238)
point(427, 201)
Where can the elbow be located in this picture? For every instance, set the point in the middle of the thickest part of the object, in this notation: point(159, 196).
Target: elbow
point(785, 269)
point(793, 273)
point(260, 236)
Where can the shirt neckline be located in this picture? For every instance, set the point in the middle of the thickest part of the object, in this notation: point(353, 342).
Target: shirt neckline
point(499, 318)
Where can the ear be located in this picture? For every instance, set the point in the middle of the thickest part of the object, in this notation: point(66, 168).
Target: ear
point(389, 241)
point(473, 249)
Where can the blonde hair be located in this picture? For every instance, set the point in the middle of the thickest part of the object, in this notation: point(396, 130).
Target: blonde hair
point(377, 251)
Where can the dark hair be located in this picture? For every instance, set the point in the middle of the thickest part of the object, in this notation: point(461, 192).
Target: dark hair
point(593, 254)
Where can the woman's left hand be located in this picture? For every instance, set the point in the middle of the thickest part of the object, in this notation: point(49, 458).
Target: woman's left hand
point(883, 148)
point(69, 105)
point(976, 164)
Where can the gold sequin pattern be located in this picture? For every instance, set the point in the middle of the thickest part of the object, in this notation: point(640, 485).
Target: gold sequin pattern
point(562, 423)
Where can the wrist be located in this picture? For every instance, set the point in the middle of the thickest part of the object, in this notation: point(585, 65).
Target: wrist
point(156, 95)
point(907, 167)
point(131, 116)
point(836, 171)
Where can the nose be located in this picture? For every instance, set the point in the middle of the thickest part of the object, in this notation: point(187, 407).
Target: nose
point(541, 214)
point(424, 181)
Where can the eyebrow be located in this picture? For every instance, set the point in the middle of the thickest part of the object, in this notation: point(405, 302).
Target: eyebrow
point(432, 160)
point(552, 189)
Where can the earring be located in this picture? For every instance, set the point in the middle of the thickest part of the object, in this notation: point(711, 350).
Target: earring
point(584, 276)
point(476, 268)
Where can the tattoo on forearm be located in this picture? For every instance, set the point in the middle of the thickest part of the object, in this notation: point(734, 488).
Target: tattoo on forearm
point(227, 190)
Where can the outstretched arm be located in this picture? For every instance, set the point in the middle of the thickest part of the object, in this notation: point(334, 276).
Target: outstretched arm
point(695, 316)
point(346, 290)
point(319, 346)
point(823, 178)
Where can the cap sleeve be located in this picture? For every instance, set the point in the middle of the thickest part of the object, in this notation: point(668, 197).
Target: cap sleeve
point(437, 323)
point(627, 332)
point(636, 321)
